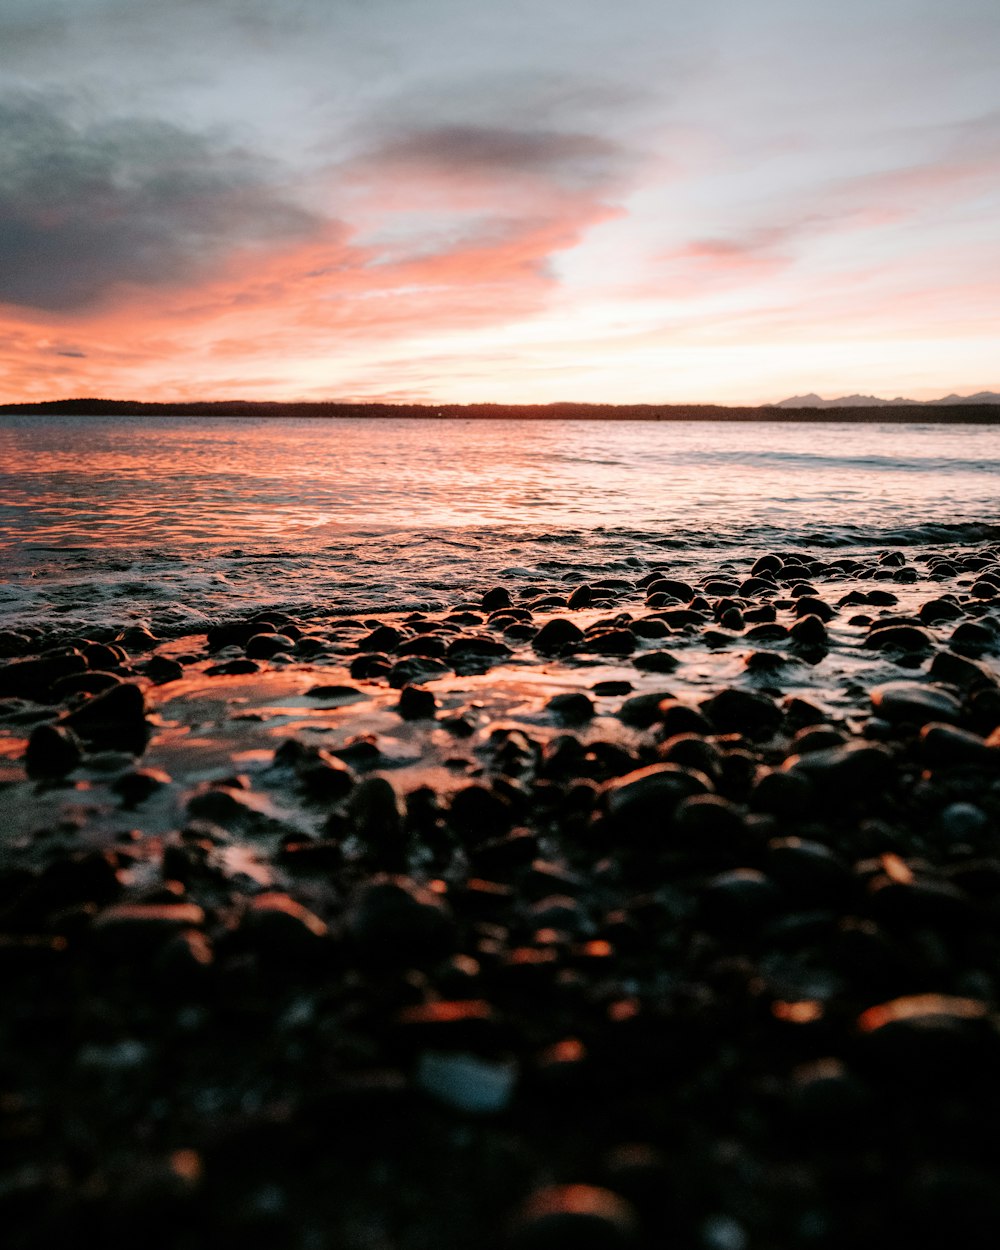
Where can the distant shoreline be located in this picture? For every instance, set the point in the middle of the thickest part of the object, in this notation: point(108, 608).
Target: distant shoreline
point(950, 414)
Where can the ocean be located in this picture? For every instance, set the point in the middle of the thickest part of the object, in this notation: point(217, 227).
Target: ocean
point(178, 522)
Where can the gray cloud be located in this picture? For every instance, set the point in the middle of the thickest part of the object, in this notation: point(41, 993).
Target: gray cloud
point(495, 150)
point(85, 208)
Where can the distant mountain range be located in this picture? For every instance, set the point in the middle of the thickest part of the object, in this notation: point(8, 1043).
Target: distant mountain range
point(872, 401)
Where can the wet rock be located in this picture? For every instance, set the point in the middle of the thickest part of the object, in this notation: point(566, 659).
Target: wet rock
point(642, 710)
point(393, 921)
point(575, 1217)
point(767, 564)
point(582, 597)
point(477, 646)
point(135, 927)
point(570, 709)
point(53, 751)
point(974, 638)
point(136, 785)
point(927, 1035)
point(809, 631)
point(416, 703)
point(942, 745)
point(609, 642)
point(416, 669)
point(767, 612)
point(809, 605)
point(32, 679)
point(160, 669)
point(656, 662)
point(235, 634)
point(772, 632)
point(958, 670)
point(383, 638)
point(137, 638)
point(370, 667)
point(784, 794)
point(82, 683)
point(844, 771)
point(376, 812)
point(477, 813)
point(935, 611)
point(809, 871)
point(424, 645)
point(742, 711)
point(498, 597)
point(557, 635)
point(336, 694)
point(648, 796)
point(232, 668)
point(905, 638)
point(673, 588)
point(732, 619)
point(285, 929)
point(116, 718)
point(680, 718)
point(739, 901)
point(266, 646)
point(914, 703)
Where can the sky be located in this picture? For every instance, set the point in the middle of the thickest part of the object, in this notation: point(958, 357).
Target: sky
point(528, 201)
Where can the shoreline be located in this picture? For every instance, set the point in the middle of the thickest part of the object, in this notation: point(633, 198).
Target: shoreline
point(929, 414)
point(666, 889)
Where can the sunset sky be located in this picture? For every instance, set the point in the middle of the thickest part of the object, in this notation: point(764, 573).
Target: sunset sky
point(536, 200)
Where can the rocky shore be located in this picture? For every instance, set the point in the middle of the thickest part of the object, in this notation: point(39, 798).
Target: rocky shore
point(611, 913)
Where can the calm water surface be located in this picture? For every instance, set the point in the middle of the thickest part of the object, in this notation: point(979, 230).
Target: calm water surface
point(177, 520)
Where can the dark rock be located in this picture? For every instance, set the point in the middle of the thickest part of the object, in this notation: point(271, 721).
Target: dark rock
point(393, 921)
point(670, 586)
point(383, 638)
point(232, 668)
point(138, 784)
point(575, 1217)
point(907, 638)
point(609, 642)
point(957, 670)
point(415, 669)
point(739, 901)
point(32, 679)
point(557, 635)
point(370, 667)
point(265, 646)
point(235, 634)
point(914, 703)
point(809, 605)
point(767, 564)
point(478, 645)
point(944, 745)
point(783, 794)
point(116, 718)
point(742, 711)
point(376, 812)
point(655, 662)
point(642, 710)
point(423, 645)
point(477, 813)
point(772, 632)
point(160, 669)
point(582, 597)
point(843, 771)
point(934, 611)
point(82, 683)
point(498, 597)
point(648, 796)
point(570, 709)
point(809, 631)
point(336, 694)
point(416, 703)
point(973, 638)
point(52, 751)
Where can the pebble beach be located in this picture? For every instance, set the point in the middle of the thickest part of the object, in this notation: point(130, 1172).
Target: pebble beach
point(621, 911)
